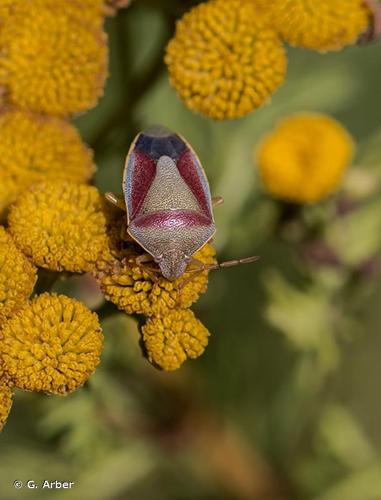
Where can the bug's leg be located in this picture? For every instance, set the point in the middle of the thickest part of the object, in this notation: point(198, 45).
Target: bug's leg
point(142, 259)
point(124, 236)
point(217, 200)
point(115, 200)
point(193, 273)
point(152, 272)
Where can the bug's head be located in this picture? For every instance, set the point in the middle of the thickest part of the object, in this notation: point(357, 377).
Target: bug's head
point(173, 263)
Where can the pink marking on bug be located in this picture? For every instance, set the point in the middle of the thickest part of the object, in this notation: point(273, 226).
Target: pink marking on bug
point(185, 164)
point(144, 174)
point(174, 218)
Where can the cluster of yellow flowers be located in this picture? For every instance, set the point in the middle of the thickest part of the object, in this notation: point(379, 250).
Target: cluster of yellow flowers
point(66, 226)
point(53, 64)
point(227, 57)
point(172, 333)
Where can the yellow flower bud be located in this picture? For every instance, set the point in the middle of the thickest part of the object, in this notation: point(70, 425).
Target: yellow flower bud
point(52, 58)
point(60, 226)
point(17, 277)
point(34, 148)
point(172, 339)
point(304, 158)
point(53, 344)
point(321, 25)
point(224, 60)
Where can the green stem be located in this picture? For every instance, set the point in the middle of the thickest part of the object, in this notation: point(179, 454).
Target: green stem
point(46, 280)
point(138, 86)
point(106, 310)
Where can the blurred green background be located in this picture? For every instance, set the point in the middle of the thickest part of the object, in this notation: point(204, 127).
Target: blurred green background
point(285, 403)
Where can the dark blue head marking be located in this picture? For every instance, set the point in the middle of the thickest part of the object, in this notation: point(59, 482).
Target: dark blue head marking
point(158, 145)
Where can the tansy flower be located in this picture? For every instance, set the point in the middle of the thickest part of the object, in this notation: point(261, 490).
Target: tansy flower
point(52, 344)
point(170, 340)
point(60, 226)
point(91, 12)
point(319, 25)
point(304, 158)
point(224, 61)
point(5, 402)
point(35, 148)
point(142, 289)
point(17, 277)
point(52, 59)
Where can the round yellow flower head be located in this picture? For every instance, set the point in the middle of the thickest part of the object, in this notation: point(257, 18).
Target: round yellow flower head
point(321, 25)
point(5, 402)
point(91, 12)
point(224, 61)
point(141, 289)
point(34, 148)
point(60, 226)
point(304, 158)
point(52, 59)
point(53, 344)
point(170, 340)
point(17, 277)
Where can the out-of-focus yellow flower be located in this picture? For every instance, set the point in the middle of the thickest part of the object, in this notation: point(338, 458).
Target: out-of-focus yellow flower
point(224, 60)
point(91, 12)
point(53, 344)
point(34, 148)
point(135, 290)
point(60, 226)
point(319, 25)
point(52, 59)
point(5, 402)
point(17, 277)
point(170, 340)
point(304, 158)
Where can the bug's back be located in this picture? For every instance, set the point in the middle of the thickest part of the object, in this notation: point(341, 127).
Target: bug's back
point(167, 195)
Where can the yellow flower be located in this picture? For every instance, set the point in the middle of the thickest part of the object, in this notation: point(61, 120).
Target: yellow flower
point(136, 290)
point(60, 226)
point(304, 158)
point(53, 344)
point(170, 340)
point(34, 148)
point(224, 61)
point(5, 402)
point(17, 276)
point(89, 11)
point(52, 59)
point(321, 25)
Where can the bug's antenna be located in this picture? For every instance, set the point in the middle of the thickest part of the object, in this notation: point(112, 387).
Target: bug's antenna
point(232, 263)
point(220, 265)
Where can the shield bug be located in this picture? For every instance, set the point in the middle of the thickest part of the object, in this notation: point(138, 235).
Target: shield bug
point(168, 202)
